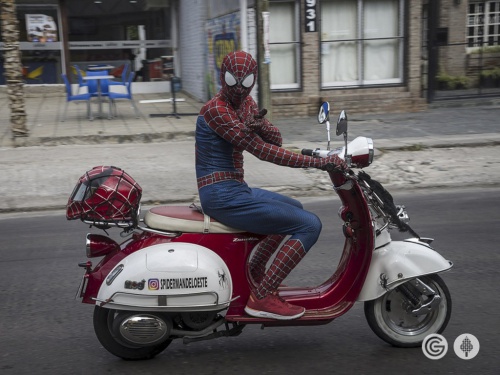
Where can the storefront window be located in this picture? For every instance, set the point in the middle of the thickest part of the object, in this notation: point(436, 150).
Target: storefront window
point(39, 36)
point(113, 32)
point(119, 32)
point(361, 42)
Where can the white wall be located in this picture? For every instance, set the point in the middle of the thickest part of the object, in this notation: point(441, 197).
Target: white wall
point(192, 47)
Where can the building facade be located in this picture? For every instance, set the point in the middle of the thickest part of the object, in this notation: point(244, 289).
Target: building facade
point(362, 55)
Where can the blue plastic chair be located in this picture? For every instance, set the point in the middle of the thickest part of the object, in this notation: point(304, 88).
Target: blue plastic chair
point(124, 74)
point(78, 72)
point(113, 96)
point(73, 98)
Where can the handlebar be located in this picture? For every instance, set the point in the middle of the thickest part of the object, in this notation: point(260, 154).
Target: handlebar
point(318, 153)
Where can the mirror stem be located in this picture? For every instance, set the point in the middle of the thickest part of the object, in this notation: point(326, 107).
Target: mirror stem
point(328, 132)
point(347, 157)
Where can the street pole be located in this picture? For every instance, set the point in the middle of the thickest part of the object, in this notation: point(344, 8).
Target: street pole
point(264, 68)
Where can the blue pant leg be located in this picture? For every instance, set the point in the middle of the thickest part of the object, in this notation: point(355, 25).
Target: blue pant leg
point(266, 194)
point(260, 211)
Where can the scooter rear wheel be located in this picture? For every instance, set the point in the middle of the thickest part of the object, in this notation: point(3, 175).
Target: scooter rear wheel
point(105, 323)
point(388, 317)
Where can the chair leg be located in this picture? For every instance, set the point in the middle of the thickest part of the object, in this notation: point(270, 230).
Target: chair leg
point(137, 113)
point(110, 109)
point(65, 110)
point(89, 111)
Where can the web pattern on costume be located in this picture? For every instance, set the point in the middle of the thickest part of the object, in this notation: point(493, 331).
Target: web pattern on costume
point(290, 254)
point(233, 115)
point(264, 142)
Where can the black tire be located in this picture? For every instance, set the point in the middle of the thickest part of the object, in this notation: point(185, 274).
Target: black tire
point(103, 323)
point(390, 321)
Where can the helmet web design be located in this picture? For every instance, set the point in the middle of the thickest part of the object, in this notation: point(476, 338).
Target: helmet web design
point(238, 75)
point(105, 196)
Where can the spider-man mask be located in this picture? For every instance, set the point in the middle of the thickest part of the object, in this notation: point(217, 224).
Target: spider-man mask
point(238, 74)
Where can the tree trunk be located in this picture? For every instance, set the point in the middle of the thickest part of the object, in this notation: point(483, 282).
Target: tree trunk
point(13, 68)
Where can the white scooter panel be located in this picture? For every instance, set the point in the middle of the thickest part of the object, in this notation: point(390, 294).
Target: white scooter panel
point(168, 277)
point(397, 262)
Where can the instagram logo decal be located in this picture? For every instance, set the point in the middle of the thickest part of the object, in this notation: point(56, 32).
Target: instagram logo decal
point(153, 284)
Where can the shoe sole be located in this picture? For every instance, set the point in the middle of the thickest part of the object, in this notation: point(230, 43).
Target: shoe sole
point(265, 314)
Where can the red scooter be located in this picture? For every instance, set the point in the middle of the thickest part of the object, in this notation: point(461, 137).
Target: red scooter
point(182, 275)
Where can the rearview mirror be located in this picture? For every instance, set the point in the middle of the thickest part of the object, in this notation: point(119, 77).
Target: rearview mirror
point(324, 112)
point(342, 123)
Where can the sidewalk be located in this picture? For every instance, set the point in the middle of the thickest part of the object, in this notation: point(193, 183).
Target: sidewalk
point(44, 113)
point(437, 143)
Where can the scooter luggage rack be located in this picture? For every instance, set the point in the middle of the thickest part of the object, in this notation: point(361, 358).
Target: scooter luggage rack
point(109, 224)
point(162, 302)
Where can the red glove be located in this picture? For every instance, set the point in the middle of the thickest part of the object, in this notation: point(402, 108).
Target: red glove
point(256, 122)
point(334, 160)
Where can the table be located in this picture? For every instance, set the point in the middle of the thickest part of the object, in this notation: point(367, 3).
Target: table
point(100, 67)
point(99, 96)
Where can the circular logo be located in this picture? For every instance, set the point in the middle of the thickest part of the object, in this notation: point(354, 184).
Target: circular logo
point(466, 346)
point(153, 284)
point(435, 346)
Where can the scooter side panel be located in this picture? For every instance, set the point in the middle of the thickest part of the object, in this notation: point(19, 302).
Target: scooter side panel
point(168, 277)
point(397, 262)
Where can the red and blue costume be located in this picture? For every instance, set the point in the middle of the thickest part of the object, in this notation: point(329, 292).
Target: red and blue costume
point(229, 124)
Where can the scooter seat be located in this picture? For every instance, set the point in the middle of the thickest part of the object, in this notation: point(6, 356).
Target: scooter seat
point(184, 219)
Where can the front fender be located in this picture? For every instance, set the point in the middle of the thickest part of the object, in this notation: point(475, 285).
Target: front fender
point(397, 262)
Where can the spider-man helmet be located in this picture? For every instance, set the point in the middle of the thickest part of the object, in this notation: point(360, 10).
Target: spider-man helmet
point(238, 74)
point(105, 194)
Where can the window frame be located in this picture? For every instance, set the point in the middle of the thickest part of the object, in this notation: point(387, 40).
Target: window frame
point(360, 50)
point(485, 25)
point(297, 46)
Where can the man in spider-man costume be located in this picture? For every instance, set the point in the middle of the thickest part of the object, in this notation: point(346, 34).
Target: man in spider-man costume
point(229, 124)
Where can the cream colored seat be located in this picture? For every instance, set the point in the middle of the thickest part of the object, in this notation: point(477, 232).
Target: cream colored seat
point(184, 219)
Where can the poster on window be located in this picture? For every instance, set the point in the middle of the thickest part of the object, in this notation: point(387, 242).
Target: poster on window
point(223, 36)
point(41, 28)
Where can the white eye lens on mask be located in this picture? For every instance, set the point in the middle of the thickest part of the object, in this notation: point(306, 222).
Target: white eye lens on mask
point(230, 80)
point(248, 81)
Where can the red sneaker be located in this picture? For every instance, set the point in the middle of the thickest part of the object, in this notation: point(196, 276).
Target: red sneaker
point(272, 306)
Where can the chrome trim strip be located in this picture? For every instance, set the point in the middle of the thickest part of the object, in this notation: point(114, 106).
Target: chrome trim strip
point(167, 234)
point(214, 306)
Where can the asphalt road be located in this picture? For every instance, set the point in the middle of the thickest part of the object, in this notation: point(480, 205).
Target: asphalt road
point(43, 330)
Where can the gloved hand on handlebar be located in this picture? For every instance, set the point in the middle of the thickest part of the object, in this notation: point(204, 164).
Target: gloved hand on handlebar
point(334, 161)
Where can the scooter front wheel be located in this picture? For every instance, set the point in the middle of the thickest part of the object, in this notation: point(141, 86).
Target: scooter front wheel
point(132, 335)
point(391, 318)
